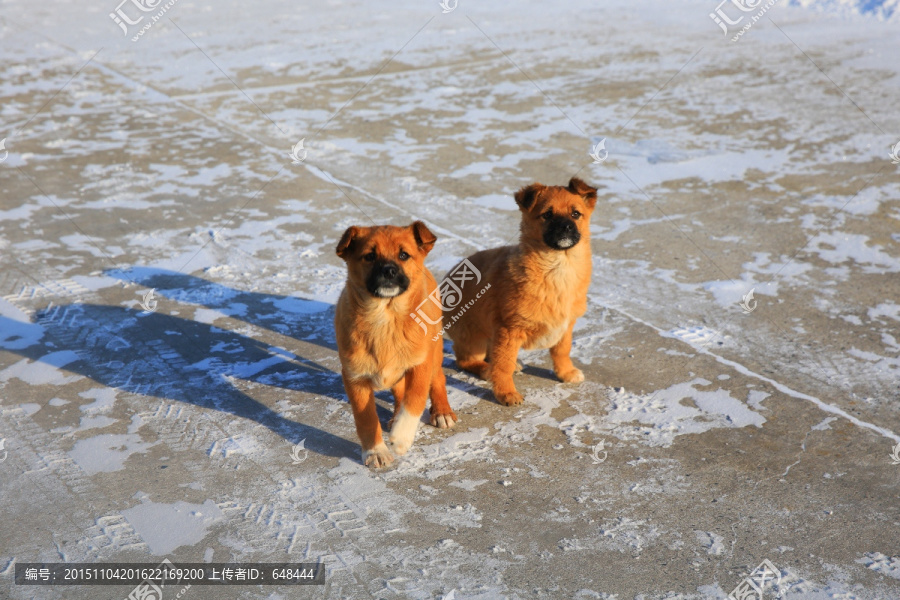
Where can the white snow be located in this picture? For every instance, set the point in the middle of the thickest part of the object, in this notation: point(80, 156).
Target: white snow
point(165, 527)
point(880, 563)
point(106, 453)
point(682, 408)
point(713, 543)
point(476, 144)
point(241, 445)
point(45, 371)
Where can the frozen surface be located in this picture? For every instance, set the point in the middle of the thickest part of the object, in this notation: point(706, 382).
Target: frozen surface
point(169, 382)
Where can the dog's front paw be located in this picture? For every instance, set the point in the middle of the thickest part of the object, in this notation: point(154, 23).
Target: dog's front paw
point(509, 398)
point(573, 376)
point(403, 431)
point(444, 421)
point(377, 457)
point(400, 444)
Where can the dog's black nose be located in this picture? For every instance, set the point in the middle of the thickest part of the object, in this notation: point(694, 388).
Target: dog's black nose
point(561, 233)
point(390, 271)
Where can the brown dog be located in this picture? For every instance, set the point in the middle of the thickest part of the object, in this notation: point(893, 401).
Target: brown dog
point(380, 341)
point(537, 289)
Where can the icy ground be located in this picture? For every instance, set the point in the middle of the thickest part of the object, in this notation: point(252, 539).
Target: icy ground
point(207, 422)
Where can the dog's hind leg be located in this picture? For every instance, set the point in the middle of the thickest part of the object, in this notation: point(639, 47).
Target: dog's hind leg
point(471, 355)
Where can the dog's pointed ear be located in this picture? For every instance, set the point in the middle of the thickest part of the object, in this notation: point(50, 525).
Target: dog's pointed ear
point(577, 186)
point(527, 195)
point(424, 238)
point(345, 246)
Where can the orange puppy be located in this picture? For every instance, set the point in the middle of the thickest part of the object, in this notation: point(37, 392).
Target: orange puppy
point(538, 289)
point(380, 343)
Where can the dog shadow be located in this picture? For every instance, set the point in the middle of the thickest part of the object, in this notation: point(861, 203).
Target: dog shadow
point(299, 318)
point(304, 320)
point(540, 372)
point(177, 359)
point(482, 388)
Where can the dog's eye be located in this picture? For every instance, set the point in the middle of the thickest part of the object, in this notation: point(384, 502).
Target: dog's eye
point(547, 215)
point(576, 214)
point(403, 255)
point(369, 257)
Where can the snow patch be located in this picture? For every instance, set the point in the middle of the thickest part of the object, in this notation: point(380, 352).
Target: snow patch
point(46, 370)
point(682, 408)
point(106, 453)
point(880, 563)
point(239, 445)
point(711, 542)
point(165, 527)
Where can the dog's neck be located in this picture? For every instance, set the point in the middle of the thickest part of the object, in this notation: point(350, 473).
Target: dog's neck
point(551, 259)
point(366, 303)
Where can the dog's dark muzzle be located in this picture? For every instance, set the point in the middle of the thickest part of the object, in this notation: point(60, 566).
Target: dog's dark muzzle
point(561, 233)
point(386, 279)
